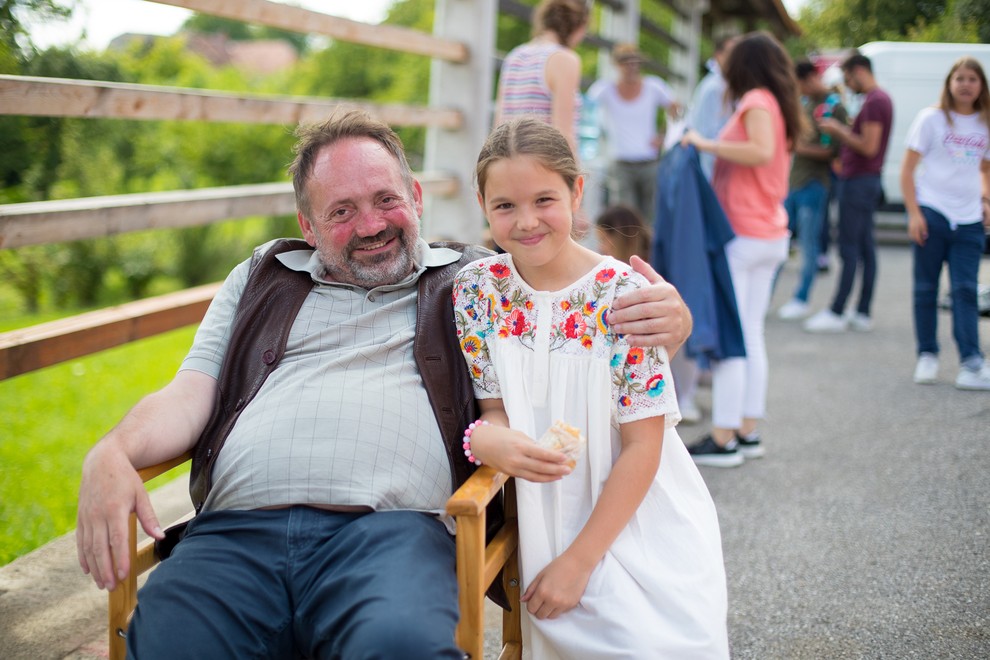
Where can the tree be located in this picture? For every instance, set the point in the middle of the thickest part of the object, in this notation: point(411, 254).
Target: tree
point(851, 23)
point(976, 12)
point(240, 31)
point(13, 35)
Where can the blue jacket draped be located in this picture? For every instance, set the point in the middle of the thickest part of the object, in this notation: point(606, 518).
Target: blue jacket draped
point(689, 238)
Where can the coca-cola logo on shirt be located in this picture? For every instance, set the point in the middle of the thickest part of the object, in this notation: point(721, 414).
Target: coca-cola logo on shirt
point(967, 141)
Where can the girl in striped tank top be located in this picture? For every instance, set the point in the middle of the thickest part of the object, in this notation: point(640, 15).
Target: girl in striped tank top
point(541, 77)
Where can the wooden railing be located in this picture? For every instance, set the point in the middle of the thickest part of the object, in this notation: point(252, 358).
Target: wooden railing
point(456, 120)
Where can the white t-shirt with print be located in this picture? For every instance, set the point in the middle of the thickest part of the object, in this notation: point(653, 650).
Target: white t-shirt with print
point(948, 177)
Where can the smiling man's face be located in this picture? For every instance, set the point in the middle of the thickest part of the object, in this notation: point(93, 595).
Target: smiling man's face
point(363, 217)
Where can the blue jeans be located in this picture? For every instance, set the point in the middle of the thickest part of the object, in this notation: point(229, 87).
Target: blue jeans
point(858, 198)
point(300, 581)
point(960, 247)
point(806, 211)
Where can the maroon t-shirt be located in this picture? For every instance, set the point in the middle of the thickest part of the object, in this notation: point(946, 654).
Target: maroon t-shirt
point(877, 107)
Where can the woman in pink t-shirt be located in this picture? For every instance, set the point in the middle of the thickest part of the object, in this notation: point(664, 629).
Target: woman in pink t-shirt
point(752, 164)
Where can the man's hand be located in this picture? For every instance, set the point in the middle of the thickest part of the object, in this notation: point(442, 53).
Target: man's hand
point(652, 316)
point(111, 489)
point(831, 126)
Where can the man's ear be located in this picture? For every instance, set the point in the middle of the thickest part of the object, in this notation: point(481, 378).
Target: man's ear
point(307, 229)
point(417, 191)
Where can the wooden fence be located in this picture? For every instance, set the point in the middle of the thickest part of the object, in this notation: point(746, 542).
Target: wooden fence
point(456, 120)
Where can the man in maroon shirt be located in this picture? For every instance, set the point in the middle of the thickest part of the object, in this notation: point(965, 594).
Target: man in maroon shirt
point(864, 146)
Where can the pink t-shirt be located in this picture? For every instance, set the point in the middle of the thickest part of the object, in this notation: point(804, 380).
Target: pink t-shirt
point(753, 197)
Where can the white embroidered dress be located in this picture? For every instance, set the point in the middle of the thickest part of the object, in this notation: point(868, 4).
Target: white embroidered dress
point(659, 592)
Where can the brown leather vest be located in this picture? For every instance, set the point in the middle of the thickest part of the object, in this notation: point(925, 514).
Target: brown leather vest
point(271, 300)
point(264, 316)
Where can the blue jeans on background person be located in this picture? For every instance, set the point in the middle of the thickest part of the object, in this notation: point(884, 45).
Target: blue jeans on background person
point(806, 212)
point(300, 581)
point(961, 247)
point(858, 198)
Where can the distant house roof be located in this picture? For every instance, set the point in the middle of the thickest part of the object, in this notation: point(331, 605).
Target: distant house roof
point(262, 55)
point(258, 56)
point(752, 12)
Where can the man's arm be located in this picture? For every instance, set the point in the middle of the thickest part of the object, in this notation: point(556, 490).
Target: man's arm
point(814, 151)
point(654, 315)
point(865, 144)
point(161, 426)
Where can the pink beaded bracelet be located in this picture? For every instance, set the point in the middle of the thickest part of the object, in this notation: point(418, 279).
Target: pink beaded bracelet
point(467, 440)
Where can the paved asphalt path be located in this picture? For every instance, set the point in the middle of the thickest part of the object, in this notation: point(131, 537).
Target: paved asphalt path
point(863, 532)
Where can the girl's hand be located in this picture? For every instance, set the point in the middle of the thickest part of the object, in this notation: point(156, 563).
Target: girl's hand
point(557, 588)
point(917, 227)
point(692, 137)
point(517, 455)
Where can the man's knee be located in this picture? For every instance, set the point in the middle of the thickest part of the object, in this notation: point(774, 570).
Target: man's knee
point(403, 635)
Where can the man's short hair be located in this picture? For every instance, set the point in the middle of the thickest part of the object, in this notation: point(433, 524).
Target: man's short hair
point(341, 125)
point(626, 53)
point(804, 69)
point(857, 60)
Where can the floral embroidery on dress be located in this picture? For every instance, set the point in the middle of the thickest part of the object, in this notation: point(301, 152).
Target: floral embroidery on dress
point(491, 304)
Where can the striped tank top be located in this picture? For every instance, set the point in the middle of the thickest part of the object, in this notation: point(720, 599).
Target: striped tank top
point(524, 84)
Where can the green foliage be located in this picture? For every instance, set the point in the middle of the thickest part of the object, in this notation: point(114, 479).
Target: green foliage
point(851, 23)
point(50, 418)
point(383, 76)
point(976, 13)
point(239, 31)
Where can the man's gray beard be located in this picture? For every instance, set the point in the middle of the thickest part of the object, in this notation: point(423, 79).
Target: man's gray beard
point(390, 270)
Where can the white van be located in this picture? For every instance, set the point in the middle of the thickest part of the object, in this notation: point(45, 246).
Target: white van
point(913, 74)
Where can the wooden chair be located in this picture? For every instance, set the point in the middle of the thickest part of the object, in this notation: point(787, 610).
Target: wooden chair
point(477, 564)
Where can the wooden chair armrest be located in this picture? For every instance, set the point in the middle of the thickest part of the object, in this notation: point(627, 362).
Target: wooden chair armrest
point(478, 564)
point(123, 599)
point(475, 493)
point(152, 471)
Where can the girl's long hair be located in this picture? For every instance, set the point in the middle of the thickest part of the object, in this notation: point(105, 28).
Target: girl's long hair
point(758, 61)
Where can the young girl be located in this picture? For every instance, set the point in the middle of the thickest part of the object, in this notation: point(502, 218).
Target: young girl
point(622, 233)
point(621, 554)
point(946, 198)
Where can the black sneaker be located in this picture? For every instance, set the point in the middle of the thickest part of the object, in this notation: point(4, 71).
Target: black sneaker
point(749, 446)
point(707, 452)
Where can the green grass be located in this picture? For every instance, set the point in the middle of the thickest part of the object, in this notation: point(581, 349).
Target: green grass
point(50, 418)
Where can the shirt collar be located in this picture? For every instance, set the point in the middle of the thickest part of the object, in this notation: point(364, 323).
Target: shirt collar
point(308, 261)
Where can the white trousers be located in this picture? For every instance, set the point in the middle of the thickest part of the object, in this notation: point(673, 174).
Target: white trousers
point(739, 385)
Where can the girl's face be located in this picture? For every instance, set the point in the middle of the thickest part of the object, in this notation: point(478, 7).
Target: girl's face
point(530, 210)
point(965, 88)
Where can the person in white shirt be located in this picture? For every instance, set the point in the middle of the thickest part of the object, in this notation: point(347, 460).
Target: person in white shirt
point(945, 178)
point(630, 106)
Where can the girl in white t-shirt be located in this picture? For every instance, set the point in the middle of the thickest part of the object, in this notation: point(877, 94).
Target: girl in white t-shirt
point(945, 178)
